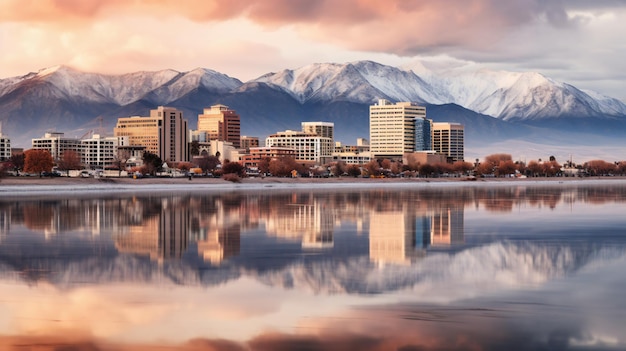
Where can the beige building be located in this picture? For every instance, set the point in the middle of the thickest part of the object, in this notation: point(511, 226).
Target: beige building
point(448, 139)
point(163, 133)
point(323, 129)
point(248, 142)
point(392, 128)
point(221, 123)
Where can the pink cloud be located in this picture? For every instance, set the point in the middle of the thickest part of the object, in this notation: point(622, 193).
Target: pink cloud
point(403, 27)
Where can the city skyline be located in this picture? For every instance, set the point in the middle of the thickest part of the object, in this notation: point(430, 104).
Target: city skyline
point(248, 39)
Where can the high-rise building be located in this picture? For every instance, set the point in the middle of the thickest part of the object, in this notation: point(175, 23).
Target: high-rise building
point(163, 133)
point(323, 129)
point(5, 146)
point(221, 123)
point(392, 128)
point(448, 139)
point(423, 134)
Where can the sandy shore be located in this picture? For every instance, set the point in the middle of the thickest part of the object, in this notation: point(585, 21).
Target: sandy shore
point(16, 186)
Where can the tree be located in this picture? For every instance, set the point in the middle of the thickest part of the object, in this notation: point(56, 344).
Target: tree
point(207, 163)
point(194, 148)
point(152, 162)
point(339, 168)
point(505, 168)
point(233, 168)
point(426, 170)
point(17, 162)
point(353, 170)
point(534, 168)
point(37, 161)
point(373, 168)
point(70, 160)
point(462, 167)
point(119, 161)
point(264, 165)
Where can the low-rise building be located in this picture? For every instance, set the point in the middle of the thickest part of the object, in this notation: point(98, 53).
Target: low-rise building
point(268, 152)
point(309, 147)
point(56, 143)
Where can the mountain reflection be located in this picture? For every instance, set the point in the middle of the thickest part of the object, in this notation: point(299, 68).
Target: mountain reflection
point(210, 237)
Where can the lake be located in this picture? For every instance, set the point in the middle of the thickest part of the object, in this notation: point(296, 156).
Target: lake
point(506, 267)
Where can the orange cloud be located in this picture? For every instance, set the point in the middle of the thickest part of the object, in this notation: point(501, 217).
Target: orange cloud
point(403, 27)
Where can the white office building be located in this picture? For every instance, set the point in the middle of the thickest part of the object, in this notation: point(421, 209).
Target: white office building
point(393, 128)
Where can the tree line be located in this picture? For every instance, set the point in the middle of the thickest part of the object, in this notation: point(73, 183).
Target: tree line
point(495, 165)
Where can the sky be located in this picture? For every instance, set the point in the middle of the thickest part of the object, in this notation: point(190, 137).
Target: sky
point(575, 41)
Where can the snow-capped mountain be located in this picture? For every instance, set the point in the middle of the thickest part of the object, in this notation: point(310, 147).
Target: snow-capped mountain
point(67, 100)
point(505, 95)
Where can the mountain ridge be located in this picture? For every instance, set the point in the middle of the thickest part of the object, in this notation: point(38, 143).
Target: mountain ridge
point(338, 92)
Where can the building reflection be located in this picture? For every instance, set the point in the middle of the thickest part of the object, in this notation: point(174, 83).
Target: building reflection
point(162, 233)
point(302, 217)
point(218, 232)
point(402, 236)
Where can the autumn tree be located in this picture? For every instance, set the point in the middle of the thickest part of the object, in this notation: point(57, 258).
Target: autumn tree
point(551, 168)
point(207, 163)
point(233, 168)
point(600, 167)
point(373, 168)
point(505, 167)
point(462, 167)
point(339, 168)
point(353, 171)
point(534, 168)
point(264, 165)
point(37, 161)
point(70, 160)
point(621, 167)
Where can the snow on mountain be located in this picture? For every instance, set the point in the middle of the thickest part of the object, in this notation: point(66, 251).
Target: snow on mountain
point(363, 82)
point(127, 88)
point(513, 95)
point(184, 83)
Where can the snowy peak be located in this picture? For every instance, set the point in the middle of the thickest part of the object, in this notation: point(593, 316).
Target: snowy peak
point(167, 85)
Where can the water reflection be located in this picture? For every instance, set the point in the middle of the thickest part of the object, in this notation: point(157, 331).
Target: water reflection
point(437, 268)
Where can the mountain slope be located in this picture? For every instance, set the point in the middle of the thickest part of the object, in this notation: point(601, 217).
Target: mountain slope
point(525, 105)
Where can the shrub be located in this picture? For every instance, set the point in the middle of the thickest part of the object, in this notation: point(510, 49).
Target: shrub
point(232, 177)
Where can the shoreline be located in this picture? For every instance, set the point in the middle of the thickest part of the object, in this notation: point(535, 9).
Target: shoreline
point(25, 186)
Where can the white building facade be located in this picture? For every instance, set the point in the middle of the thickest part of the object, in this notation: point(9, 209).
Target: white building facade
point(392, 128)
point(309, 147)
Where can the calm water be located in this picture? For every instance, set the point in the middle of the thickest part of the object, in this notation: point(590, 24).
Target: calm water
point(503, 268)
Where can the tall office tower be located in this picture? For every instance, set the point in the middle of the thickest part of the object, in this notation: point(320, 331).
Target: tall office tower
point(448, 139)
point(423, 134)
point(164, 133)
point(221, 123)
point(392, 128)
point(323, 129)
point(5, 146)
